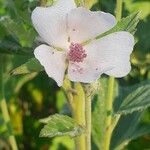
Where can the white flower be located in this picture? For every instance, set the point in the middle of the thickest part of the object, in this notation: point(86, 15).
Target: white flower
point(67, 27)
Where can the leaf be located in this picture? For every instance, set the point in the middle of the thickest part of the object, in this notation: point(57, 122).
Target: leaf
point(30, 66)
point(18, 31)
point(9, 45)
point(58, 142)
point(60, 125)
point(138, 98)
point(127, 129)
point(125, 24)
point(16, 39)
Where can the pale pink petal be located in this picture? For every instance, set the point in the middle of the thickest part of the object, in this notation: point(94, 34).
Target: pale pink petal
point(109, 55)
point(113, 53)
point(85, 72)
point(53, 62)
point(51, 22)
point(84, 24)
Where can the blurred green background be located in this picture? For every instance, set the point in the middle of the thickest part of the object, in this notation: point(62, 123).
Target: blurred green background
point(34, 96)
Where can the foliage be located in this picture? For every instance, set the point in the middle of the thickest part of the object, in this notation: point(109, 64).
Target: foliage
point(60, 125)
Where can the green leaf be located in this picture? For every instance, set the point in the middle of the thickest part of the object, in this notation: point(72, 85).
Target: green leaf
point(58, 142)
point(9, 45)
point(30, 66)
point(125, 24)
point(60, 125)
point(138, 98)
point(15, 37)
point(18, 31)
point(127, 129)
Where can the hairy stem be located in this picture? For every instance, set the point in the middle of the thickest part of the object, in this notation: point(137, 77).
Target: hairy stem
point(4, 109)
point(118, 17)
point(109, 109)
point(6, 117)
point(119, 10)
point(79, 115)
point(88, 122)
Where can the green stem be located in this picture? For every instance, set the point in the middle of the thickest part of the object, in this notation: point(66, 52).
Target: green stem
point(4, 110)
point(119, 10)
point(6, 117)
point(109, 122)
point(118, 17)
point(88, 121)
point(109, 108)
point(79, 114)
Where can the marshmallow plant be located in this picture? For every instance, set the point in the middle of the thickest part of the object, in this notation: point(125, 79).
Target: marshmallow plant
point(72, 51)
point(79, 46)
point(83, 51)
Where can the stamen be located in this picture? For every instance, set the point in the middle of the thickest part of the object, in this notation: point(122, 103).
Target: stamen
point(76, 53)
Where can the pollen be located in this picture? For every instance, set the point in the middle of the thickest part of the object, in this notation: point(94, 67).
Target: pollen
point(76, 53)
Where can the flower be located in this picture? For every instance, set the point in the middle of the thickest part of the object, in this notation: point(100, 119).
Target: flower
point(65, 28)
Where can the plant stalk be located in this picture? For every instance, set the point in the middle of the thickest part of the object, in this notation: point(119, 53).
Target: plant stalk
point(109, 122)
point(109, 109)
point(119, 10)
point(4, 109)
point(79, 115)
point(118, 17)
point(6, 117)
point(88, 115)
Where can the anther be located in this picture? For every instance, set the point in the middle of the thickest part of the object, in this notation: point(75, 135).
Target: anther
point(76, 53)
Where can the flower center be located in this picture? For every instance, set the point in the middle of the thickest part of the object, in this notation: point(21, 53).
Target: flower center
point(76, 53)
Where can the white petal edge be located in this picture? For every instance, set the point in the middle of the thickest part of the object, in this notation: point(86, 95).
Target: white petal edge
point(51, 22)
point(53, 62)
point(113, 53)
point(84, 24)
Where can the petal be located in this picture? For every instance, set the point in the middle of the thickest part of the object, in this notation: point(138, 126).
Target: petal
point(109, 55)
point(84, 24)
point(85, 72)
point(113, 53)
point(51, 23)
point(53, 62)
